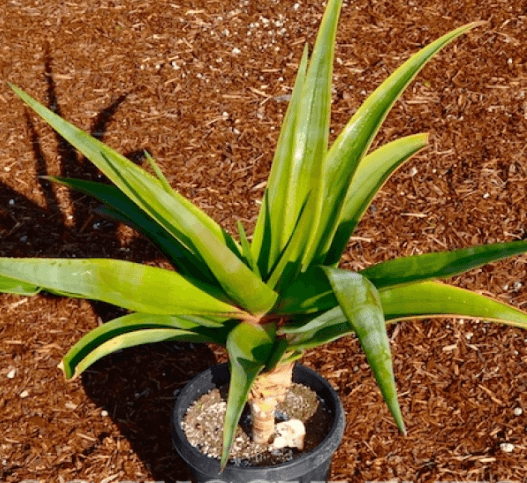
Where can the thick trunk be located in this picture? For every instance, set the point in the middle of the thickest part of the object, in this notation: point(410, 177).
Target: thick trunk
point(268, 390)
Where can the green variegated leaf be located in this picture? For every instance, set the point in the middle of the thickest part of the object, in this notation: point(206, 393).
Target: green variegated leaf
point(269, 231)
point(439, 265)
point(246, 250)
point(249, 347)
point(125, 284)
point(307, 177)
point(131, 339)
point(110, 162)
point(311, 292)
point(427, 299)
point(297, 166)
point(353, 142)
point(238, 281)
point(107, 338)
point(359, 300)
point(371, 174)
point(119, 208)
point(11, 285)
point(183, 220)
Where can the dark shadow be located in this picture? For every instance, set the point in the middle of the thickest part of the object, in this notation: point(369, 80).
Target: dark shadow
point(136, 386)
point(30, 230)
point(40, 161)
point(72, 164)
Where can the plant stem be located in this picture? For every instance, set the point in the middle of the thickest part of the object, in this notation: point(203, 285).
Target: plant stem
point(268, 390)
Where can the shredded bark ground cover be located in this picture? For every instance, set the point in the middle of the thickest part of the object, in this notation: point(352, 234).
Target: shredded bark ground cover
point(203, 86)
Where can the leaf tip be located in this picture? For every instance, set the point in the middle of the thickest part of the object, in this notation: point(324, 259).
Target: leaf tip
point(478, 23)
point(69, 375)
point(62, 367)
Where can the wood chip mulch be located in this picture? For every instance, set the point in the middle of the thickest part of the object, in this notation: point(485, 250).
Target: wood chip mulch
point(202, 85)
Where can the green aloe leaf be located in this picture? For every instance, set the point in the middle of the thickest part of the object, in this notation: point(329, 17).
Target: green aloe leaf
point(114, 165)
point(428, 299)
point(288, 265)
point(311, 135)
point(407, 302)
point(157, 170)
point(130, 285)
point(106, 338)
point(320, 329)
point(130, 339)
point(439, 265)
point(360, 302)
point(186, 222)
point(302, 146)
point(11, 285)
point(120, 208)
point(249, 347)
point(268, 233)
point(353, 142)
point(371, 174)
point(309, 293)
point(246, 250)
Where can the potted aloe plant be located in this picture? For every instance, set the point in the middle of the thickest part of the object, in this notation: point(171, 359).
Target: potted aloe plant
point(269, 299)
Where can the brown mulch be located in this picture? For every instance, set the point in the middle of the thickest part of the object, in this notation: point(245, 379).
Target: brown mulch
point(200, 84)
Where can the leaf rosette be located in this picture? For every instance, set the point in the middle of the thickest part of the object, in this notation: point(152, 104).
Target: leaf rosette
point(269, 298)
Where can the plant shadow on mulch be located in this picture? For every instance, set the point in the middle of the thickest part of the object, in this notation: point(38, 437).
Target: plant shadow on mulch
point(136, 387)
point(79, 233)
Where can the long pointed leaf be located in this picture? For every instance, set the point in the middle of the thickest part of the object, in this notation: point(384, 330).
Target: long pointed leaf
point(371, 174)
point(268, 233)
point(249, 347)
point(312, 134)
point(126, 340)
point(157, 170)
point(176, 214)
point(311, 292)
point(303, 143)
point(107, 159)
point(288, 265)
point(353, 142)
point(129, 213)
point(438, 299)
point(246, 250)
point(439, 265)
point(126, 284)
point(359, 300)
point(238, 281)
point(407, 302)
point(87, 350)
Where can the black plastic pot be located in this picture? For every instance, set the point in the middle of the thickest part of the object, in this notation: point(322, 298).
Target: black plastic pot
point(308, 468)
